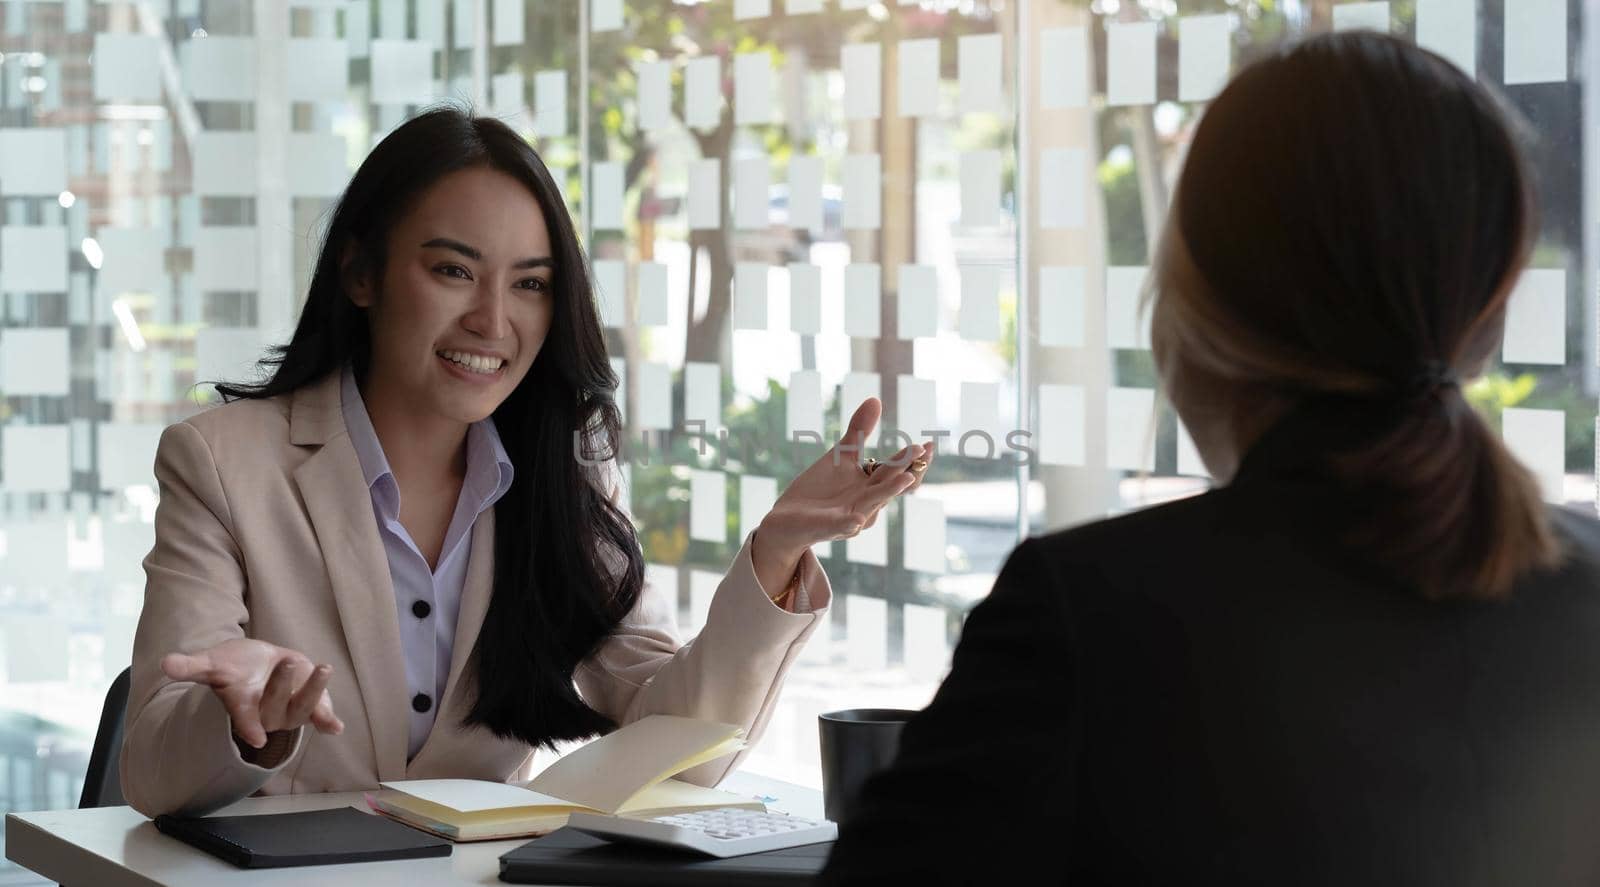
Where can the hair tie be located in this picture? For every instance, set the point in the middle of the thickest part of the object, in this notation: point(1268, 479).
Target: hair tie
point(1432, 376)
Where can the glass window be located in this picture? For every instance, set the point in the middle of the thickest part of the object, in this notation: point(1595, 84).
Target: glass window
point(789, 204)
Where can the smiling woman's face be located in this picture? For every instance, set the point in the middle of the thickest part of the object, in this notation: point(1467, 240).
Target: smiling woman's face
point(465, 300)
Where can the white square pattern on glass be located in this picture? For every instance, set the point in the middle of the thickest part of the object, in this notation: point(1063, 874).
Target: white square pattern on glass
point(911, 208)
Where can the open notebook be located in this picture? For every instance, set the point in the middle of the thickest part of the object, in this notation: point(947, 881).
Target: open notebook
point(625, 772)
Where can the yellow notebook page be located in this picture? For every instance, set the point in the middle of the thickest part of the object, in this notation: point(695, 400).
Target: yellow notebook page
point(468, 825)
point(610, 771)
point(674, 795)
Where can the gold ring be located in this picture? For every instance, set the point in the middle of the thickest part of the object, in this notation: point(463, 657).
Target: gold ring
point(870, 466)
point(918, 466)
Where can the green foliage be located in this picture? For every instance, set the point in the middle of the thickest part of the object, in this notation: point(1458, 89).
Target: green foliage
point(1495, 392)
point(1492, 393)
point(1007, 346)
point(1119, 184)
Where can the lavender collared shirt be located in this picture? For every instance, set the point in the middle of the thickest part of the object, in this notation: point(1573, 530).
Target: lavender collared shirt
point(427, 600)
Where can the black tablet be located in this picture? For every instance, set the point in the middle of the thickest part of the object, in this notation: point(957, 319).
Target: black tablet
point(312, 837)
point(570, 857)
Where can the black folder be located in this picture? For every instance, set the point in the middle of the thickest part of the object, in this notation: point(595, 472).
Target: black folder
point(313, 837)
point(573, 858)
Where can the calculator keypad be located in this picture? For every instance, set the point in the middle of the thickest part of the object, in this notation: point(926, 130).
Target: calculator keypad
point(731, 824)
point(720, 832)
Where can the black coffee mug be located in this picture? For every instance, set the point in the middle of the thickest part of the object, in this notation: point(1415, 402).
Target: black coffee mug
point(856, 743)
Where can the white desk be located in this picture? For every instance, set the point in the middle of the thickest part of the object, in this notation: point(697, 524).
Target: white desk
point(116, 846)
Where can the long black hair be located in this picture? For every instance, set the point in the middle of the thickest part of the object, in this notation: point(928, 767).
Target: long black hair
point(567, 563)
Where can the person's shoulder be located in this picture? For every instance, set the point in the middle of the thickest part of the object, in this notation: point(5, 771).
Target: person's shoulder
point(1577, 522)
point(1113, 555)
point(1146, 527)
point(1579, 535)
point(246, 417)
point(240, 429)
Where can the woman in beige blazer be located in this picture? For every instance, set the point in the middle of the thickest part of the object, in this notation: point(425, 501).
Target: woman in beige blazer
point(442, 422)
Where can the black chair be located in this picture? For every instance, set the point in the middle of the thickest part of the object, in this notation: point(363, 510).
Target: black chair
point(102, 785)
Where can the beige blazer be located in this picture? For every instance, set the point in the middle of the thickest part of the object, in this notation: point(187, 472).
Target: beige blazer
point(265, 530)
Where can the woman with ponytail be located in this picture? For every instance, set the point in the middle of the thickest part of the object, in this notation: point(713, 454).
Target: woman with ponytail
point(1370, 655)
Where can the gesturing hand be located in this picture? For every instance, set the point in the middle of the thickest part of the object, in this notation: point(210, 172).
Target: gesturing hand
point(264, 687)
point(836, 498)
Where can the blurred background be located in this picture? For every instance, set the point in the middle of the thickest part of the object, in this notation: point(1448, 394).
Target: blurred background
point(789, 205)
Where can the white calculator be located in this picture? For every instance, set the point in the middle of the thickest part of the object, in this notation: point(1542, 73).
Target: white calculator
point(720, 831)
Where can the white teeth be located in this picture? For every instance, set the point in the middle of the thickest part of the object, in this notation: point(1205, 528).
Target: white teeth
point(473, 362)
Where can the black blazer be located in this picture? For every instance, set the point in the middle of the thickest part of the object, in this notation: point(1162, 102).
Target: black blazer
point(1211, 691)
